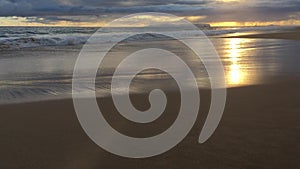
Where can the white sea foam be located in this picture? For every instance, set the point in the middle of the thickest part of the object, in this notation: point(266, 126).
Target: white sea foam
point(35, 37)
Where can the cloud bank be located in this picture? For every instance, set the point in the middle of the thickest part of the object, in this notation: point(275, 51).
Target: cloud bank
point(51, 11)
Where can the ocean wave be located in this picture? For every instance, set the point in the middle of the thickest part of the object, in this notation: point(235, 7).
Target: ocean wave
point(37, 41)
point(36, 37)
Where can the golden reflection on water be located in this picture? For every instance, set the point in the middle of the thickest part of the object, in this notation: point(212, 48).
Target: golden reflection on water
point(237, 71)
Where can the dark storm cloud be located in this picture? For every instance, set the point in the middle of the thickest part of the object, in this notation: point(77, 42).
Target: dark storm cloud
point(120, 3)
point(262, 13)
point(63, 10)
point(63, 7)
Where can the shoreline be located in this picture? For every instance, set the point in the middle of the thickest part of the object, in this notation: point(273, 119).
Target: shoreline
point(271, 81)
point(289, 35)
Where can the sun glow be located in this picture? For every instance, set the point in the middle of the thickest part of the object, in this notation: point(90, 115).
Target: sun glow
point(235, 75)
point(195, 18)
point(34, 21)
point(228, 0)
point(233, 24)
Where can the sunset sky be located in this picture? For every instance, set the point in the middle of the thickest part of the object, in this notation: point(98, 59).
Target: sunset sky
point(99, 12)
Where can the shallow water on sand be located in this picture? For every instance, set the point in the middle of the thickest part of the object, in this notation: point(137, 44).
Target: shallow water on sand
point(43, 73)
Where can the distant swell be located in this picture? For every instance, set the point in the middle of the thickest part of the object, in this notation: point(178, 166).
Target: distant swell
point(42, 41)
point(11, 38)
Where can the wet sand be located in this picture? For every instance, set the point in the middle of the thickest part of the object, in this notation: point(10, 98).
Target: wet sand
point(259, 130)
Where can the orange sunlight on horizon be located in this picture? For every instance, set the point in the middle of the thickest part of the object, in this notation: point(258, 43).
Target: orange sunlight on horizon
point(22, 21)
point(279, 23)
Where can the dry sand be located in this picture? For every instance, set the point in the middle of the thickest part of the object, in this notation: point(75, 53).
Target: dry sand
point(259, 130)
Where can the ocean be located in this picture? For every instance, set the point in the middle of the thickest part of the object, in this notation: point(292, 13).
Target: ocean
point(36, 63)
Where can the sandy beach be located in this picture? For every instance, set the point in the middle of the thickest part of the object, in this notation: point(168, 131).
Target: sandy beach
point(260, 129)
point(144, 63)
